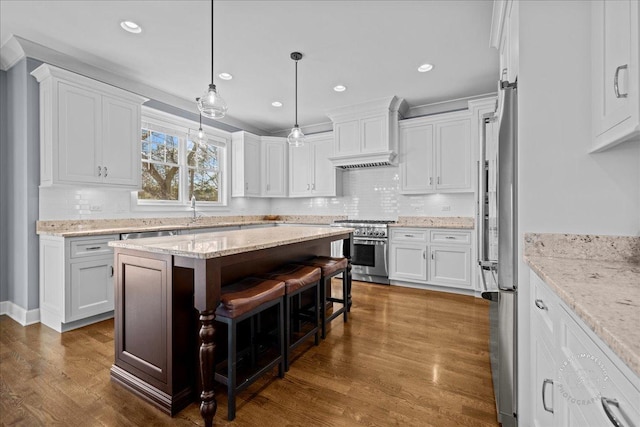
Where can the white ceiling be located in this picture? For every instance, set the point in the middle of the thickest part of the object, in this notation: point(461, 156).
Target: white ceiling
point(372, 47)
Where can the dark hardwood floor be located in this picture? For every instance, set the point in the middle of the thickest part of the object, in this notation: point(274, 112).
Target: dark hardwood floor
point(407, 357)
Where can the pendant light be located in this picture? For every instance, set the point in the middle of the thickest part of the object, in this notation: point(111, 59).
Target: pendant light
point(200, 137)
point(211, 103)
point(296, 137)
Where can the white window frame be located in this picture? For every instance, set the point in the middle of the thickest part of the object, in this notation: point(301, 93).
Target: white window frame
point(161, 121)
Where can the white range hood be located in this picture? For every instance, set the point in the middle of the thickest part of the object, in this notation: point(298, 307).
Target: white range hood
point(366, 135)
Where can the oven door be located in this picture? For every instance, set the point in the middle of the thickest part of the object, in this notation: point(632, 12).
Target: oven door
point(369, 260)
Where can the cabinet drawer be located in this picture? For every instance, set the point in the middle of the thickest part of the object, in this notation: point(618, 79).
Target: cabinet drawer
point(544, 306)
point(451, 237)
point(91, 247)
point(409, 235)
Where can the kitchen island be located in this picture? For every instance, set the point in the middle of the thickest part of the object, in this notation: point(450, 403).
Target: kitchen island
point(159, 337)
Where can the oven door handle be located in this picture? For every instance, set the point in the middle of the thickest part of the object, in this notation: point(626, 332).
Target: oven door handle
point(369, 242)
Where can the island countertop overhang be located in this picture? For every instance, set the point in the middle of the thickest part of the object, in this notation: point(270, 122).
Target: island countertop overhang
point(224, 243)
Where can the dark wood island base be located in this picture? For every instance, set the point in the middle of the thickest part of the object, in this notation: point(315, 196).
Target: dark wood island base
point(166, 298)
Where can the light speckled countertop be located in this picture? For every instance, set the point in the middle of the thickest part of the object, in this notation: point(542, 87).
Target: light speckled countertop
point(78, 228)
point(598, 277)
point(223, 243)
point(461, 222)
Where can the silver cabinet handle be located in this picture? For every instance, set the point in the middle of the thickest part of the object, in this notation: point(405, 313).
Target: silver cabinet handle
point(408, 235)
point(430, 180)
point(105, 171)
point(112, 271)
point(246, 185)
point(449, 237)
point(544, 387)
point(313, 186)
point(607, 410)
point(438, 180)
point(94, 248)
point(433, 255)
point(540, 304)
point(424, 254)
point(99, 170)
point(615, 82)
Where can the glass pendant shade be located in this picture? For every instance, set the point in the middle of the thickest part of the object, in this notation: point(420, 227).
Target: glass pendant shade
point(296, 138)
point(211, 104)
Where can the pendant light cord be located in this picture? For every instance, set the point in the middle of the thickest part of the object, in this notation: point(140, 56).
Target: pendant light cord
point(211, 41)
point(296, 93)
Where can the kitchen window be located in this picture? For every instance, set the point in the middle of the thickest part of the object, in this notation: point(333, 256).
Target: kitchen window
point(174, 167)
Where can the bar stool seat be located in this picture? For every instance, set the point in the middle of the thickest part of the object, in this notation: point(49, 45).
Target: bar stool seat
point(239, 301)
point(330, 267)
point(298, 279)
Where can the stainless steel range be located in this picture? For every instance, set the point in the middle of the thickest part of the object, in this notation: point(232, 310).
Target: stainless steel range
point(369, 254)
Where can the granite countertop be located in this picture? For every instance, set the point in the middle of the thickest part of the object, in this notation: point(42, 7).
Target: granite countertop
point(79, 228)
point(598, 277)
point(223, 243)
point(461, 222)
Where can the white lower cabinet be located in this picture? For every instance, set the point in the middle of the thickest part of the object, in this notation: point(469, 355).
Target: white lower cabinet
point(431, 257)
point(577, 380)
point(76, 281)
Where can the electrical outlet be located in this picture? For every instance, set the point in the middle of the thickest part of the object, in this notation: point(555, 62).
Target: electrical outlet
point(95, 208)
point(446, 208)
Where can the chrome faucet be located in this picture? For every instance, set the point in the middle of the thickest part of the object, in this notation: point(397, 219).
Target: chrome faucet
point(193, 206)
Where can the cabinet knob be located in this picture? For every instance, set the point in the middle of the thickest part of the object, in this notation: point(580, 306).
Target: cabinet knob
point(540, 304)
point(616, 90)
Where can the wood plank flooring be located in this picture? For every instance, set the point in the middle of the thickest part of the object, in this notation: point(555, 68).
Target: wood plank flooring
point(407, 357)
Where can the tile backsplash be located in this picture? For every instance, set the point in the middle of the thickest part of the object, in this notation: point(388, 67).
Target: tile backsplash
point(366, 194)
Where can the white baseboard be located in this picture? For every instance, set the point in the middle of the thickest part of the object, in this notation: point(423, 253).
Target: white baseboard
point(19, 314)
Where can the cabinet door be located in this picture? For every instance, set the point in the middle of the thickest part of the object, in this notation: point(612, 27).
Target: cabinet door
point(252, 167)
point(324, 181)
point(120, 142)
point(408, 262)
point(274, 162)
point(299, 171)
point(79, 134)
point(416, 159)
point(374, 134)
point(453, 155)
point(91, 288)
point(543, 381)
point(347, 137)
point(614, 54)
point(450, 266)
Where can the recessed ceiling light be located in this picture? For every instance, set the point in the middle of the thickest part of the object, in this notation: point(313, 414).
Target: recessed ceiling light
point(425, 67)
point(131, 27)
point(225, 76)
point(276, 104)
point(340, 88)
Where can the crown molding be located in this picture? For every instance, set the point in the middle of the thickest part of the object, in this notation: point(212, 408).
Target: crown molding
point(10, 53)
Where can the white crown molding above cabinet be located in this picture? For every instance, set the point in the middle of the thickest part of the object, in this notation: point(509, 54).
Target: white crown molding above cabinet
point(18, 48)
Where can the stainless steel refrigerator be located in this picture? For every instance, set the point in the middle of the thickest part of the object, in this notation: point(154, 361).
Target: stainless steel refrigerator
point(498, 248)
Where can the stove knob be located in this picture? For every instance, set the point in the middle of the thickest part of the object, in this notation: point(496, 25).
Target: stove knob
point(370, 232)
point(379, 233)
point(356, 232)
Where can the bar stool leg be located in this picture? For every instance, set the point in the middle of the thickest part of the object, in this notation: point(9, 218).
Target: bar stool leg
point(317, 313)
point(287, 333)
point(345, 293)
point(281, 319)
point(323, 308)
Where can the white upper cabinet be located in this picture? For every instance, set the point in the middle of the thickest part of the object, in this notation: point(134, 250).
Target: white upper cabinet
point(311, 172)
point(435, 154)
point(366, 133)
point(89, 131)
point(274, 167)
point(245, 165)
point(615, 76)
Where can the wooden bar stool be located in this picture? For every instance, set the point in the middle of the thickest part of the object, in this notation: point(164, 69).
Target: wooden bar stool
point(242, 300)
point(298, 279)
point(331, 267)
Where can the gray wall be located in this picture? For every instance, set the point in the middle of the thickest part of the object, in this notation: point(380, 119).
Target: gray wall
point(22, 172)
point(4, 180)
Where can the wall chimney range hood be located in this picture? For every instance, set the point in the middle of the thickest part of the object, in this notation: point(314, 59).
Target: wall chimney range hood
point(366, 135)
